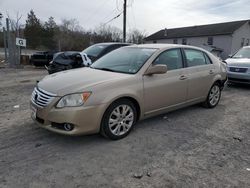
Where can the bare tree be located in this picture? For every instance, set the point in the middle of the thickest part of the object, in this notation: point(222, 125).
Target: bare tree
point(109, 33)
point(15, 24)
point(136, 37)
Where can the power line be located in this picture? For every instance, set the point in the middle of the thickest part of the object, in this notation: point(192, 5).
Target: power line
point(113, 18)
point(93, 15)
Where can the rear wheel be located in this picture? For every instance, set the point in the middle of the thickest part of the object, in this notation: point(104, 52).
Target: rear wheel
point(118, 119)
point(213, 97)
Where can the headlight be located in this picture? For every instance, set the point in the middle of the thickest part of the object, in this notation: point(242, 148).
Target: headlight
point(72, 100)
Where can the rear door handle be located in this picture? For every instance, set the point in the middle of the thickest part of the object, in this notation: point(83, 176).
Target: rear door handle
point(183, 77)
point(211, 72)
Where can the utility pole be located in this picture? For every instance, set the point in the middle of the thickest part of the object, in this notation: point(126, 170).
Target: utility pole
point(9, 44)
point(5, 45)
point(124, 20)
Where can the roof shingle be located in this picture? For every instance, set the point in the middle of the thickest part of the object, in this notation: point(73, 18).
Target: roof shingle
point(197, 31)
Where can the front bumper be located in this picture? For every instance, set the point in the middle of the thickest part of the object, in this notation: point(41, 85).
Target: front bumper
point(86, 120)
point(239, 77)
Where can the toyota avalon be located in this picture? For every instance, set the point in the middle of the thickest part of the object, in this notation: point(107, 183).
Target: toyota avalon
point(125, 86)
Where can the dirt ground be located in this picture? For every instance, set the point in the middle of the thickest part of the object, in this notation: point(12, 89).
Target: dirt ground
point(192, 147)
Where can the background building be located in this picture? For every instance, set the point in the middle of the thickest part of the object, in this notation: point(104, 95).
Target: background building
point(221, 39)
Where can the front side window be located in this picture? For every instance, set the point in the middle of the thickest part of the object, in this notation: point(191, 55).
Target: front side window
point(194, 57)
point(124, 60)
point(171, 58)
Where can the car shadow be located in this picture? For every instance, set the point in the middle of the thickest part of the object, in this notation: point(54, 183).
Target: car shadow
point(238, 86)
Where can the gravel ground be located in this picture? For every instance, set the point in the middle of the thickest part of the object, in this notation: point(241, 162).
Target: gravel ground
point(192, 147)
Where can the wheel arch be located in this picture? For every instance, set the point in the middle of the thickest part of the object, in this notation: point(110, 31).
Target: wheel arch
point(134, 101)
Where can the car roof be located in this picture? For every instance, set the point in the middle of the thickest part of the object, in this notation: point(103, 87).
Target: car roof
point(113, 43)
point(166, 46)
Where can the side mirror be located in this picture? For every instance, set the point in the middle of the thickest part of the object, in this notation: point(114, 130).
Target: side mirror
point(230, 55)
point(156, 69)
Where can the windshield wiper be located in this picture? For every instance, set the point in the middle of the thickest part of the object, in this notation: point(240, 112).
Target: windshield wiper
point(105, 69)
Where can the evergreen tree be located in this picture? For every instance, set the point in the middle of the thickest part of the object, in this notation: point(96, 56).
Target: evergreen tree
point(33, 30)
point(49, 31)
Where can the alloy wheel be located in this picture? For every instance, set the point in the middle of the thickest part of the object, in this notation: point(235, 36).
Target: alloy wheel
point(214, 95)
point(121, 120)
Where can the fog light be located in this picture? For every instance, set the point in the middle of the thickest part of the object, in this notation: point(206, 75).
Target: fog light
point(68, 127)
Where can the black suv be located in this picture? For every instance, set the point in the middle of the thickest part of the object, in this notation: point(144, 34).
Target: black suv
point(42, 58)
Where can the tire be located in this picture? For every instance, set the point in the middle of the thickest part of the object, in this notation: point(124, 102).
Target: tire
point(213, 96)
point(119, 119)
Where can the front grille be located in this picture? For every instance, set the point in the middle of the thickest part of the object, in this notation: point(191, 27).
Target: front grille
point(41, 98)
point(237, 69)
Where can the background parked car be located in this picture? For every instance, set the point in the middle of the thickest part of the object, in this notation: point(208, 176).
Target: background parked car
point(73, 59)
point(238, 66)
point(42, 58)
point(96, 51)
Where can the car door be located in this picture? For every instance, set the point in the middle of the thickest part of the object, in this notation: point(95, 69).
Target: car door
point(200, 70)
point(165, 90)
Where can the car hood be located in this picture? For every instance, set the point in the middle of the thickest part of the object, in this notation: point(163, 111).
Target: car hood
point(77, 80)
point(238, 62)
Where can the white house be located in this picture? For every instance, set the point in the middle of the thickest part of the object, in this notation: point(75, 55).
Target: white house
point(221, 38)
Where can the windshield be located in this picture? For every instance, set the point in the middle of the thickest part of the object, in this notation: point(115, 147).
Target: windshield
point(243, 53)
point(95, 50)
point(125, 60)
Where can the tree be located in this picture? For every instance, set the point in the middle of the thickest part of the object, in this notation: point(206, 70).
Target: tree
point(1, 17)
point(49, 30)
point(136, 37)
point(16, 27)
point(33, 30)
point(106, 33)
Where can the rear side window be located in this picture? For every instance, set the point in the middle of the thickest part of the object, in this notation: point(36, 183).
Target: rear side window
point(171, 58)
point(194, 57)
point(208, 60)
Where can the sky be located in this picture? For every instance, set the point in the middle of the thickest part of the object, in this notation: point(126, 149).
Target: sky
point(148, 16)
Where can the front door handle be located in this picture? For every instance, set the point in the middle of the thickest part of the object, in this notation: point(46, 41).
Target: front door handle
point(183, 77)
point(211, 72)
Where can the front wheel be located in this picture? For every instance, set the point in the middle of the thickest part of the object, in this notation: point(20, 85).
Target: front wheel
point(118, 119)
point(213, 97)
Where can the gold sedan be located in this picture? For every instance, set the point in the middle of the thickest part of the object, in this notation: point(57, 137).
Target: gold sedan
point(125, 86)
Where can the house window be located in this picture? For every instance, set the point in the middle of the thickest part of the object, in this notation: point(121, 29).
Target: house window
point(155, 41)
point(242, 42)
point(248, 40)
point(175, 41)
point(184, 41)
point(210, 40)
